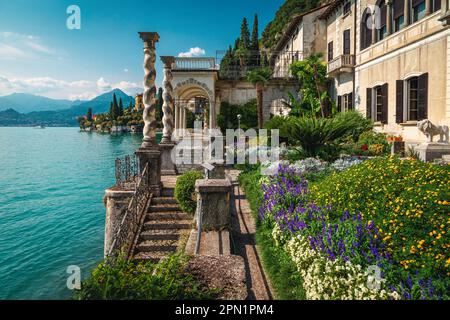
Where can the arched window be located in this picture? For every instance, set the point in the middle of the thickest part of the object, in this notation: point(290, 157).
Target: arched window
point(366, 29)
point(381, 27)
point(398, 16)
point(418, 10)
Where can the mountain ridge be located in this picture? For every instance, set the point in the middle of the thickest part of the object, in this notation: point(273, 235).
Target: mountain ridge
point(61, 117)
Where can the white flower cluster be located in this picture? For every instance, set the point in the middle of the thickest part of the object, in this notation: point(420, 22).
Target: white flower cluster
point(345, 163)
point(309, 165)
point(325, 279)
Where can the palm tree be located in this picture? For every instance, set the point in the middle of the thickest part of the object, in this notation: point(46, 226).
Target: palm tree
point(259, 78)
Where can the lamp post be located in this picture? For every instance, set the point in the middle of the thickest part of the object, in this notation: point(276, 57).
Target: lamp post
point(239, 121)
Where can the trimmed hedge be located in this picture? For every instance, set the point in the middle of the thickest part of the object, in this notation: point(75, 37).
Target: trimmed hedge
point(185, 191)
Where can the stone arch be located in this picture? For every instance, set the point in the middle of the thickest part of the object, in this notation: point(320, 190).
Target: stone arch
point(192, 87)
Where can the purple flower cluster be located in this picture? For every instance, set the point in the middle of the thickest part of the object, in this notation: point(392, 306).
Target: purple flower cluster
point(286, 201)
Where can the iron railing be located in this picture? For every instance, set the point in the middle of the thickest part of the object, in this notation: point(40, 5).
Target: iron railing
point(132, 219)
point(126, 171)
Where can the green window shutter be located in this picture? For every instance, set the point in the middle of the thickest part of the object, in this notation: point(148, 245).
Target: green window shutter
point(369, 103)
point(423, 97)
point(399, 101)
point(384, 97)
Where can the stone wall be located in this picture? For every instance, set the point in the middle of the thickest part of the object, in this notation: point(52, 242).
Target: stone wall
point(240, 92)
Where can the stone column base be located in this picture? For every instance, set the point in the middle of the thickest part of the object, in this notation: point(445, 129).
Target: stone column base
point(168, 168)
point(152, 156)
point(433, 150)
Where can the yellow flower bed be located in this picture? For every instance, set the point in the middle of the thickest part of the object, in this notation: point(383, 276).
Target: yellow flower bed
point(409, 201)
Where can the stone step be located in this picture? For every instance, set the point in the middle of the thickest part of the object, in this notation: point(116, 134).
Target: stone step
point(168, 234)
point(168, 215)
point(167, 246)
point(446, 157)
point(167, 192)
point(164, 200)
point(167, 224)
point(163, 208)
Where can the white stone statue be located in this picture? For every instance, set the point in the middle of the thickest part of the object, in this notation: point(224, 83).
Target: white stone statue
point(431, 130)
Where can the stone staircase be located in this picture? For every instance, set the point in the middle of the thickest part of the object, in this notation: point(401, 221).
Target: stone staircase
point(163, 228)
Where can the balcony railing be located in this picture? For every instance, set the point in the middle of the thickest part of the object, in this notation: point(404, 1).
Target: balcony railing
point(342, 64)
point(200, 63)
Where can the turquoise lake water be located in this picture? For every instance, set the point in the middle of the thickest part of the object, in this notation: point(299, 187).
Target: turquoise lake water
point(52, 183)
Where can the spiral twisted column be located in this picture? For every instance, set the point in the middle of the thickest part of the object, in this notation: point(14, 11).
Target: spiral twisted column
point(168, 101)
point(149, 100)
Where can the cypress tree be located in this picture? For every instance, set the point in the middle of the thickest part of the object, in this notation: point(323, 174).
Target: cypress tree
point(89, 115)
point(120, 107)
point(255, 33)
point(159, 112)
point(111, 111)
point(245, 34)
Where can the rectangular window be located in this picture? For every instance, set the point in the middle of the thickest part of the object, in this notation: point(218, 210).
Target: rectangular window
point(378, 104)
point(347, 6)
point(436, 5)
point(330, 51)
point(346, 102)
point(399, 23)
point(418, 11)
point(347, 41)
point(382, 32)
point(413, 98)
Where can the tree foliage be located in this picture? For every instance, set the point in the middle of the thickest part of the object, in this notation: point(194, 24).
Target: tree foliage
point(245, 52)
point(311, 74)
point(282, 18)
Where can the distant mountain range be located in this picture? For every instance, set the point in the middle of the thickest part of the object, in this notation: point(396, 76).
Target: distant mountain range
point(28, 110)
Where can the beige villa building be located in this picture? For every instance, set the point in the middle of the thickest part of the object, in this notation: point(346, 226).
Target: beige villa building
point(390, 60)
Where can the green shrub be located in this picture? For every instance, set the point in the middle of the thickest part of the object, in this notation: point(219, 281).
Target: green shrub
point(123, 279)
point(322, 137)
point(185, 191)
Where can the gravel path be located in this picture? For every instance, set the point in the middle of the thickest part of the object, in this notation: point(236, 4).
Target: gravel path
point(243, 231)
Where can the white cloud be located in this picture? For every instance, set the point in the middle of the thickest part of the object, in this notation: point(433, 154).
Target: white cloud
point(125, 70)
point(10, 52)
point(20, 46)
point(193, 52)
point(103, 85)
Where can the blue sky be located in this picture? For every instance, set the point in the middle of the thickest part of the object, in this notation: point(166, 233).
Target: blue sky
point(40, 55)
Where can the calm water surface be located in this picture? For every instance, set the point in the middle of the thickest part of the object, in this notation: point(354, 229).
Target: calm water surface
point(52, 183)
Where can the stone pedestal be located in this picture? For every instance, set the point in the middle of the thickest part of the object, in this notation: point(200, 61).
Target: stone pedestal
point(168, 168)
point(116, 202)
point(398, 147)
point(213, 202)
point(433, 150)
point(152, 156)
